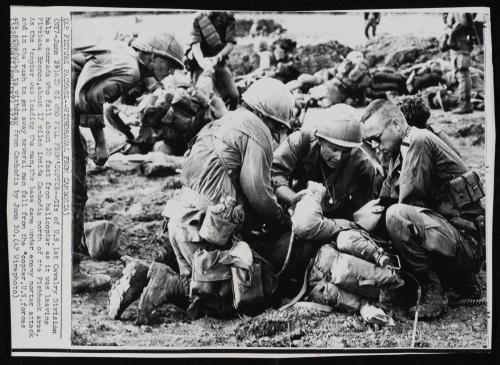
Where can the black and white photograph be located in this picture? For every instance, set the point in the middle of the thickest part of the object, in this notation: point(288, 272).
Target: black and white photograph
point(249, 180)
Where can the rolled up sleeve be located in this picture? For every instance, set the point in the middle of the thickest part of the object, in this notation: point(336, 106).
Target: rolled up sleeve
point(285, 160)
point(255, 181)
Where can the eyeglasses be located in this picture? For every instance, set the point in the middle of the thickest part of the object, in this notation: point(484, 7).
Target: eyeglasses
point(374, 141)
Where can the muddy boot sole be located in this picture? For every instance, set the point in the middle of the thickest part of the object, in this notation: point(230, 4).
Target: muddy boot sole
point(127, 289)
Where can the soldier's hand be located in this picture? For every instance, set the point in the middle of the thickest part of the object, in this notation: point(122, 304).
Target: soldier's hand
point(317, 189)
point(101, 148)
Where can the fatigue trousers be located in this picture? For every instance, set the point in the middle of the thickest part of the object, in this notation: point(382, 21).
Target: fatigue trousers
point(185, 240)
point(461, 63)
point(425, 240)
point(223, 83)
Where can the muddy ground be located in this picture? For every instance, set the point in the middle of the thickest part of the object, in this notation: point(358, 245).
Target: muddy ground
point(135, 203)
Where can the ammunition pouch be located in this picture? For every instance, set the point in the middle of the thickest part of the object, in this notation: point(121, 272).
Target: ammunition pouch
point(210, 278)
point(248, 287)
point(222, 221)
point(219, 275)
point(465, 190)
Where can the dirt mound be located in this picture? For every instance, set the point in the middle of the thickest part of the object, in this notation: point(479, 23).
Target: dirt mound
point(243, 27)
point(243, 60)
point(315, 57)
point(265, 26)
point(311, 58)
point(400, 51)
point(397, 51)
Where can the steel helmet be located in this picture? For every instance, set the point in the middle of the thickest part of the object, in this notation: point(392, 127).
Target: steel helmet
point(342, 127)
point(162, 44)
point(271, 98)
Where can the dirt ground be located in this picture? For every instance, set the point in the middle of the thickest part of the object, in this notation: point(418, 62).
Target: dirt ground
point(135, 202)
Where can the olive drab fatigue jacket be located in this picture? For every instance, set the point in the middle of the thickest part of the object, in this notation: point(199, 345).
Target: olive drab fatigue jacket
point(244, 142)
point(351, 185)
point(419, 176)
point(101, 74)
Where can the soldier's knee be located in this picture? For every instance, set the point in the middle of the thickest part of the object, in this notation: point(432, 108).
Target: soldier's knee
point(396, 213)
point(397, 220)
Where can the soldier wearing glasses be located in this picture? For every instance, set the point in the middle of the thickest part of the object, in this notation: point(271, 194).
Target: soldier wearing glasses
point(434, 217)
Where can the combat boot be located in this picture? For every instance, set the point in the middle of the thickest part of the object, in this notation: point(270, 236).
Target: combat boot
point(432, 301)
point(128, 289)
point(164, 286)
point(465, 108)
point(468, 288)
point(84, 283)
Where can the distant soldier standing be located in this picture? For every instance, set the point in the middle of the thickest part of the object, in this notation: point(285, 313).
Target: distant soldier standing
point(102, 75)
point(213, 39)
point(371, 21)
point(461, 40)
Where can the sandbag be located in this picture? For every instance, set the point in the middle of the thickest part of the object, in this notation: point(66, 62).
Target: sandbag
point(103, 240)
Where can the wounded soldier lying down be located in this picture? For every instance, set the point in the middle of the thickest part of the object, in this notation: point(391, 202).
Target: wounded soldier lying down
point(350, 269)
